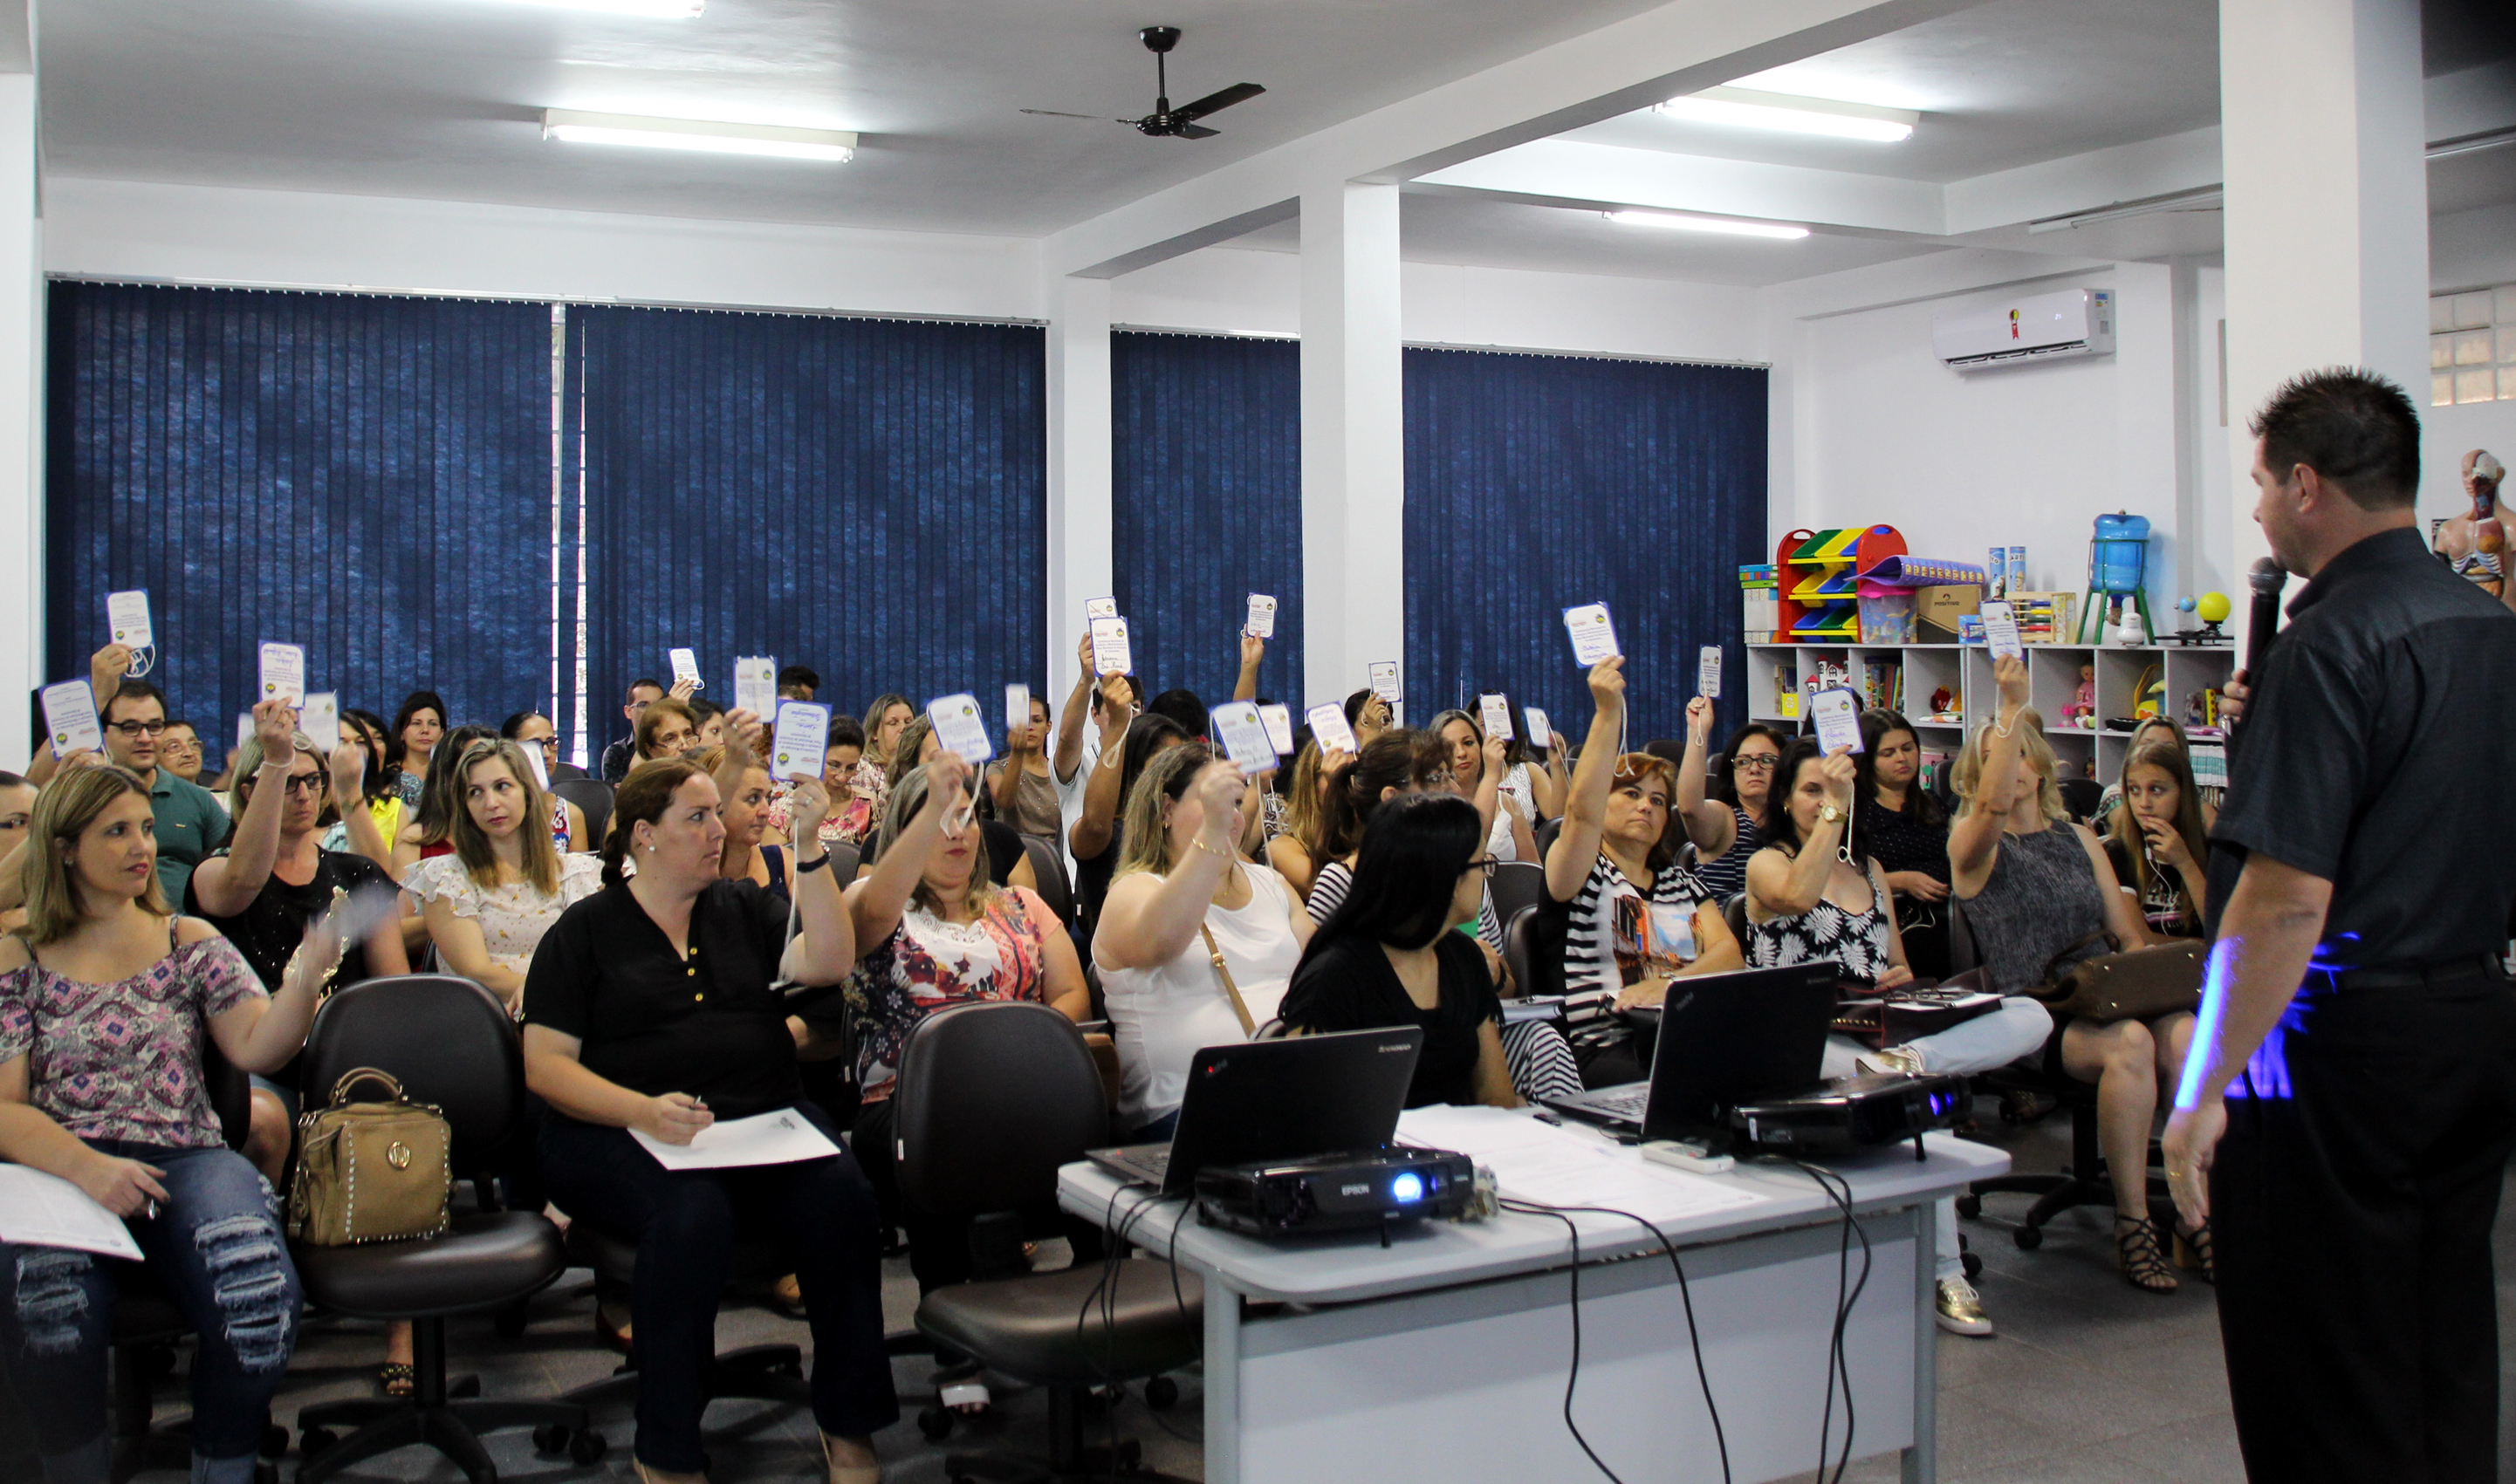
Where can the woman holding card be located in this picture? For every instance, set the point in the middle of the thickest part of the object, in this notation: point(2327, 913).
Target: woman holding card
point(1024, 787)
point(1481, 772)
point(742, 781)
point(649, 1010)
point(104, 998)
point(1639, 921)
point(1369, 714)
point(1727, 826)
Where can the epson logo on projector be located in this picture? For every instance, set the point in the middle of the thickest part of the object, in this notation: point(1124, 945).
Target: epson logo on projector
point(1363, 1189)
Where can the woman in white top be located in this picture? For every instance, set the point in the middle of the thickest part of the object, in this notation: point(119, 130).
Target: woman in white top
point(1180, 873)
point(1480, 772)
point(488, 904)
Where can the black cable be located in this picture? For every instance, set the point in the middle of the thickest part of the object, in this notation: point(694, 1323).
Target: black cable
point(1573, 1378)
point(1847, 1293)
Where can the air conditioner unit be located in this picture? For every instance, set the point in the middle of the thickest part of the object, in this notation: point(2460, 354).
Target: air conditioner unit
point(2044, 328)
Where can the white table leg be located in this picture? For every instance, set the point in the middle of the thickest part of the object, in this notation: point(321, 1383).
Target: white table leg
point(1921, 1460)
point(1221, 1380)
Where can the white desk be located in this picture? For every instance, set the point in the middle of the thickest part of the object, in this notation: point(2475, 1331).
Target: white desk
point(1442, 1358)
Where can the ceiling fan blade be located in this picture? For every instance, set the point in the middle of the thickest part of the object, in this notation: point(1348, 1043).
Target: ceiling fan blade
point(1213, 103)
point(1193, 130)
point(1088, 117)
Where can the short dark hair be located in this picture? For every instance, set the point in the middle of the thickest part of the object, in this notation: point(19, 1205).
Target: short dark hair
point(1183, 707)
point(516, 724)
point(844, 731)
point(133, 691)
point(2353, 427)
point(171, 723)
point(645, 682)
point(703, 708)
point(799, 675)
point(1406, 872)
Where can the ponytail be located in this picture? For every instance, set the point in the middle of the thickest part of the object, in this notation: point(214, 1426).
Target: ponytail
point(1401, 758)
point(642, 798)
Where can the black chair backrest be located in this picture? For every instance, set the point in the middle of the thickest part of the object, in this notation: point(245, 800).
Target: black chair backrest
point(1532, 948)
point(593, 796)
point(1517, 884)
point(1735, 913)
point(1961, 950)
point(449, 1041)
point(1546, 834)
point(843, 862)
point(1048, 864)
point(991, 1099)
point(2081, 796)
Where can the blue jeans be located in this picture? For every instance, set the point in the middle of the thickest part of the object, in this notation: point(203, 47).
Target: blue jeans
point(685, 1223)
point(214, 1248)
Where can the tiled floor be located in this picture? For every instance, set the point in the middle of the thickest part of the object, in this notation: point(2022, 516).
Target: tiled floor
point(2089, 1381)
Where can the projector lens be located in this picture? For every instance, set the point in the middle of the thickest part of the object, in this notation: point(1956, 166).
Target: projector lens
point(1408, 1186)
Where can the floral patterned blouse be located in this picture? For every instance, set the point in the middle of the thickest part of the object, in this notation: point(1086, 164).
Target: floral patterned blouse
point(928, 964)
point(514, 917)
point(123, 1060)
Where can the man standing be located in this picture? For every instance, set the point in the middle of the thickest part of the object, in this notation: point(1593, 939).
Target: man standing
point(643, 693)
point(2349, 1105)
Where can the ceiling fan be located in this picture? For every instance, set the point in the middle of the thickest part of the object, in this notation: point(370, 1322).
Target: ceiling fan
point(1165, 121)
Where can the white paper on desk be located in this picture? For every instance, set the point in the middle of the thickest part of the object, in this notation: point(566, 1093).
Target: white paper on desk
point(1110, 653)
point(755, 683)
point(782, 1137)
point(1496, 712)
point(1594, 634)
point(1837, 715)
point(283, 673)
point(802, 739)
point(1541, 732)
point(686, 667)
point(1384, 680)
point(1329, 725)
point(1549, 1166)
point(1708, 671)
point(2000, 632)
point(1243, 735)
point(39, 1209)
point(320, 719)
point(959, 727)
point(126, 614)
point(69, 715)
point(1261, 616)
point(1278, 721)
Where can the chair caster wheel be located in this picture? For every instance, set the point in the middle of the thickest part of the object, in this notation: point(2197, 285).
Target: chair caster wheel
point(550, 1439)
point(2029, 1238)
point(1972, 1264)
point(1969, 1206)
point(274, 1441)
point(1161, 1394)
point(587, 1447)
point(936, 1423)
point(316, 1441)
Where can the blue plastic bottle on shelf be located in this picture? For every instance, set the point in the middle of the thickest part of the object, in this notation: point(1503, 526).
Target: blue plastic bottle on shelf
point(2117, 554)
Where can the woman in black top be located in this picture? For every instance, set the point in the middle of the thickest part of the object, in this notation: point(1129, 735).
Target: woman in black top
point(1905, 828)
point(2157, 843)
point(650, 1008)
point(1388, 955)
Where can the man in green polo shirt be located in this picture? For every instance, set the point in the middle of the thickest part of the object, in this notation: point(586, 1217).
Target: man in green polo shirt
point(190, 824)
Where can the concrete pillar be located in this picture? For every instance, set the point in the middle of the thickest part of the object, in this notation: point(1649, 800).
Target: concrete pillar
point(1078, 467)
point(1353, 536)
point(2328, 242)
point(21, 424)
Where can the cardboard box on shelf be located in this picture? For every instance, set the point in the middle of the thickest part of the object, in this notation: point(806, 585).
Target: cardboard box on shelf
point(1936, 611)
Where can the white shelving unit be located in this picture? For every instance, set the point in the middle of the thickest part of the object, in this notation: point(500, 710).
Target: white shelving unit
point(2053, 673)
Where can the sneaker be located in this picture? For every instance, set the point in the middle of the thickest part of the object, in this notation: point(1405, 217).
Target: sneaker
point(1960, 1309)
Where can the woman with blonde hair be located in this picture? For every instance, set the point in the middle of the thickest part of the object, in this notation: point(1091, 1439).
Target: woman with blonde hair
point(2039, 896)
point(1306, 792)
point(106, 998)
point(489, 903)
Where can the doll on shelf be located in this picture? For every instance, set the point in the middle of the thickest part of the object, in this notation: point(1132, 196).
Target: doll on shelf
point(2082, 709)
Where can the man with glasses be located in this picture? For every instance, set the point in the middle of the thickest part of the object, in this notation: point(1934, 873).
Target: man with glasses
point(643, 693)
point(190, 822)
point(178, 752)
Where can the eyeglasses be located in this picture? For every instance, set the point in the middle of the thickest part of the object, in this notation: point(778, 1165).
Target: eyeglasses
point(309, 784)
point(1755, 762)
point(135, 728)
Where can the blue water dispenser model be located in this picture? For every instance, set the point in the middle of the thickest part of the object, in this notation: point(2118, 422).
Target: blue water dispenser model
point(2118, 564)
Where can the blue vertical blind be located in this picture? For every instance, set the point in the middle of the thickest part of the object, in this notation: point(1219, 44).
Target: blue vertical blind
point(1538, 483)
point(367, 476)
point(1206, 506)
point(863, 496)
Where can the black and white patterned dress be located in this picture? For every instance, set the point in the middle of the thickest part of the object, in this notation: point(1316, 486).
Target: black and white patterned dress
point(1854, 942)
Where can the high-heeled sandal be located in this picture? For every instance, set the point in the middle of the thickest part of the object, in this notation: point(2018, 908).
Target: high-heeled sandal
point(2138, 1254)
point(2194, 1253)
point(849, 1474)
point(396, 1379)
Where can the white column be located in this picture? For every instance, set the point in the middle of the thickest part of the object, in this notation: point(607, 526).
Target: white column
point(2328, 231)
point(1354, 535)
point(21, 423)
point(1078, 467)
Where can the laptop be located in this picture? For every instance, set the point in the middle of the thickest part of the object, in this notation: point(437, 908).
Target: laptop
point(1724, 1040)
point(1276, 1100)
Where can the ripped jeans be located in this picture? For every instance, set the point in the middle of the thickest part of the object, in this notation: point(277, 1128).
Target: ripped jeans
point(216, 1250)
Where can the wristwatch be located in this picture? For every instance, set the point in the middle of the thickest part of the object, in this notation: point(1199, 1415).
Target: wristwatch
point(1829, 813)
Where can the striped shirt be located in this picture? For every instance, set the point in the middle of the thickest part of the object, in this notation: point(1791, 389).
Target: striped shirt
point(1622, 932)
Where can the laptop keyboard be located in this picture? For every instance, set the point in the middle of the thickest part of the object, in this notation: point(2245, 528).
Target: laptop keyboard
point(1627, 1104)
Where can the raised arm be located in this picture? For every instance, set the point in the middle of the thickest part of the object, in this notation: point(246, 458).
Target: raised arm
point(226, 884)
point(349, 768)
point(1151, 920)
point(876, 903)
point(1252, 650)
point(1490, 782)
point(1976, 834)
point(1789, 885)
point(1585, 802)
point(104, 671)
point(1708, 821)
point(1069, 722)
point(824, 949)
point(1098, 820)
point(260, 1033)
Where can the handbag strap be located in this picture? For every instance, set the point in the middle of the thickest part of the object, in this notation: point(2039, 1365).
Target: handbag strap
point(1223, 970)
point(355, 1075)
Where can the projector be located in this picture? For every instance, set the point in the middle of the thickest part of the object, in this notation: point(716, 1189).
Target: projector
point(1850, 1113)
point(1365, 1190)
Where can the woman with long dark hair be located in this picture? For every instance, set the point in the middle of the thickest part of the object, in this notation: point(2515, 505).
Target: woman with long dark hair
point(2159, 847)
point(417, 730)
point(1388, 955)
point(1903, 826)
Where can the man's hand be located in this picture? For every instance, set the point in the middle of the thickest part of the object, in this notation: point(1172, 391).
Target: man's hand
point(2233, 697)
point(2192, 1146)
point(1252, 650)
point(105, 669)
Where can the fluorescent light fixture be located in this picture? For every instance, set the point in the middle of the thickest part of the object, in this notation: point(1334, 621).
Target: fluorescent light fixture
point(1731, 226)
point(653, 10)
point(837, 145)
point(1747, 109)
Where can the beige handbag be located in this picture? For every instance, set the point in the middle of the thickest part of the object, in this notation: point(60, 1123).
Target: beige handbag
point(370, 1171)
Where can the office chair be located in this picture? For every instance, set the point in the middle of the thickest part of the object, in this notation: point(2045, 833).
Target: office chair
point(1517, 884)
point(1048, 863)
point(1546, 833)
point(1733, 912)
point(991, 1100)
point(1532, 946)
point(2081, 796)
point(449, 1042)
point(2082, 1181)
point(593, 796)
point(146, 1325)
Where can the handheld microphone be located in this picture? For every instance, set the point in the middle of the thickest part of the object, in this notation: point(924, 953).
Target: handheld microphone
point(2267, 577)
